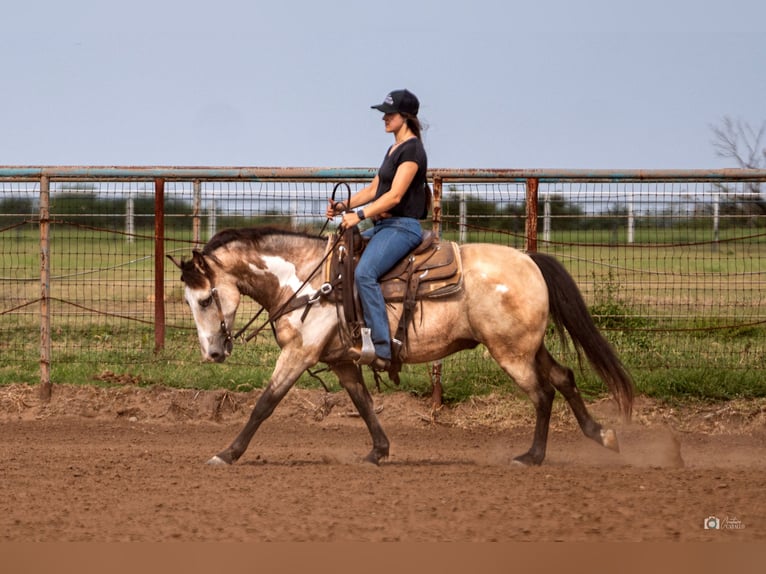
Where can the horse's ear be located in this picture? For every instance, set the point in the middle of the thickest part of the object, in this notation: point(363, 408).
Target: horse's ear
point(199, 260)
point(177, 262)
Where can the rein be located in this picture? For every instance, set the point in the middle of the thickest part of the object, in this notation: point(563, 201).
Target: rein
point(338, 204)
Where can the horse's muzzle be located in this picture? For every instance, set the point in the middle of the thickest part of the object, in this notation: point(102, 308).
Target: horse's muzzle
point(218, 354)
point(216, 357)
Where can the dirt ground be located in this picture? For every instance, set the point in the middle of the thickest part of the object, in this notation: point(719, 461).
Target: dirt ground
point(127, 464)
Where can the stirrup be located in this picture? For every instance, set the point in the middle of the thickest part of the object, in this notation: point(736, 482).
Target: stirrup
point(368, 349)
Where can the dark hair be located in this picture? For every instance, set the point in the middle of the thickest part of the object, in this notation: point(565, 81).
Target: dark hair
point(414, 124)
point(418, 128)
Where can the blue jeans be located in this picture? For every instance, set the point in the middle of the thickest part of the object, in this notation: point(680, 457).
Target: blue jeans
point(390, 240)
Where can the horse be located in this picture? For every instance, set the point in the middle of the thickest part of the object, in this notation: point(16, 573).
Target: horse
point(506, 302)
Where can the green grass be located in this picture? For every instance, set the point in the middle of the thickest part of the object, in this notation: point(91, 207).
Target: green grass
point(658, 362)
point(671, 311)
point(657, 367)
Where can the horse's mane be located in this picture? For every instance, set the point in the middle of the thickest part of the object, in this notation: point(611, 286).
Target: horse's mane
point(254, 236)
point(193, 276)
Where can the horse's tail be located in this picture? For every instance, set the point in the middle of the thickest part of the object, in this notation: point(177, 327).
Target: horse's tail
point(568, 311)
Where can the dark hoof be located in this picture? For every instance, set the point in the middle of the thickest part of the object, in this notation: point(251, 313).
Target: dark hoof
point(527, 459)
point(375, 457)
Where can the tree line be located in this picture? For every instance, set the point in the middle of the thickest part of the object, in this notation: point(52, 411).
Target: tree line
point(110, 213)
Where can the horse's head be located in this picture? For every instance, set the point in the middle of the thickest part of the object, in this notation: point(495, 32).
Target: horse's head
point(213, 298)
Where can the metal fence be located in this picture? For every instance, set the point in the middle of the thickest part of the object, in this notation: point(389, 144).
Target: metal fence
point(671, 263)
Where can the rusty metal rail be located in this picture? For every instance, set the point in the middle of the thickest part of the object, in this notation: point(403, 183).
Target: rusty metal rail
point(180, 173)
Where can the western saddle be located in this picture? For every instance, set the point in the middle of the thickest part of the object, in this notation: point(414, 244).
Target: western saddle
point(431, 270)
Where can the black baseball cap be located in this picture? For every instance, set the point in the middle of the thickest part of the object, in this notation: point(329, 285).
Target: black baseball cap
point(401, 101)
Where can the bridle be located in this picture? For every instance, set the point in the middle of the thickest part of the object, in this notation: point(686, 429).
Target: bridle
point(228, 338)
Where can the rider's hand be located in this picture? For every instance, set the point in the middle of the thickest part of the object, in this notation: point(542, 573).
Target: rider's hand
point(350, 219)
point(334, 208)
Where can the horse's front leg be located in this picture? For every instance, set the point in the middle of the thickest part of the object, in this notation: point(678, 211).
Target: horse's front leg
point(350, 377)
point(290, 366)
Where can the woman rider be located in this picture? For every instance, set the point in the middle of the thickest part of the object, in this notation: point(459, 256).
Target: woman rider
point(395, 200)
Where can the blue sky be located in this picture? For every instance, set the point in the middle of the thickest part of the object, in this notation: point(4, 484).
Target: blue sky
point(503, 84)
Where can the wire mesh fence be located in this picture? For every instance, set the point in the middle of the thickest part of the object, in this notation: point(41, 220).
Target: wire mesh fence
point(673, 271)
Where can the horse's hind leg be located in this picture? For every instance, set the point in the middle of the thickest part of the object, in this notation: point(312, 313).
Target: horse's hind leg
point(562, 378)
point(542, 398)
point(350, 378)
point(541, 394)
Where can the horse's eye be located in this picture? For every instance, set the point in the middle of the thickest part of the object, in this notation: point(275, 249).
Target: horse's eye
point(206, 302)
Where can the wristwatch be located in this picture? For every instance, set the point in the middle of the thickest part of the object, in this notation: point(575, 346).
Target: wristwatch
point(360, 214)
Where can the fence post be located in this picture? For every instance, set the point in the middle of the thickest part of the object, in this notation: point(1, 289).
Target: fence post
point(159, 265)
point(437, 393)
point(212, 223)
point(531, 223)
point(45, 290)
point(196, 211)
point(716, 219)
point(463, 218)
point(130, 220)
point(436, 207)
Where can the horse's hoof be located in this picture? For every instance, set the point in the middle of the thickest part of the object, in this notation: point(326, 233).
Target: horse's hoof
point(217, 461)
point(526, 459)
point(609, 440)
point(375, 458)
point(372, 458)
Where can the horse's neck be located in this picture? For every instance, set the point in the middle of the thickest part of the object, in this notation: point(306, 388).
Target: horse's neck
point(284, 274)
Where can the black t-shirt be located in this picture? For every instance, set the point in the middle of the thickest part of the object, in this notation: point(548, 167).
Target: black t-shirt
point(413, 204)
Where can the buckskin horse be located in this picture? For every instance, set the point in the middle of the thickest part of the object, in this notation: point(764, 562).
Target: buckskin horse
point(505, 302)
